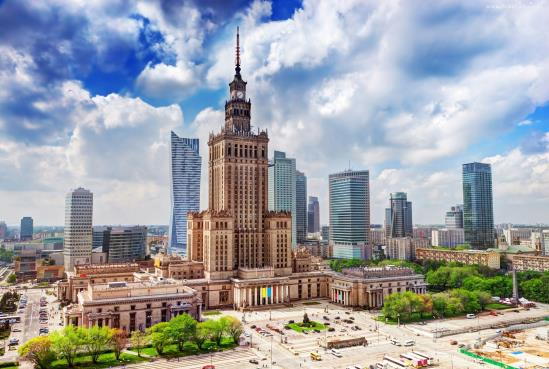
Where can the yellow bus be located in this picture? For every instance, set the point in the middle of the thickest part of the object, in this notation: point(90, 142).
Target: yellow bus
point(315, 356)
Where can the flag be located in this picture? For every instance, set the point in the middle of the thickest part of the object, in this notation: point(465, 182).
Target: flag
point(269, 292)
point(263, 292)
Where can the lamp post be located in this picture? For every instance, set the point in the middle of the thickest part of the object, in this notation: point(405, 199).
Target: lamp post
point(271, 352)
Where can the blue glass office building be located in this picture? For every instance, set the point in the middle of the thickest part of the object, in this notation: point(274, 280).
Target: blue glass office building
point(349, 212)
point(478, 214)
point(185, 167)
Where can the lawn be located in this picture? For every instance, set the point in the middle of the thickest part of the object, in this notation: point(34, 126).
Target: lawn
point(189, 349)
point(106, 360)
point(497, 306)
point(313, 325)
point(311, 303)
point(417, 317)
point(211, 312)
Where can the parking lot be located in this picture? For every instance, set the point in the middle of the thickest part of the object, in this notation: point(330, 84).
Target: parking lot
point(39, 315)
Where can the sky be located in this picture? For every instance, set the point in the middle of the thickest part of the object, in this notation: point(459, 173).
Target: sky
point(410, 90)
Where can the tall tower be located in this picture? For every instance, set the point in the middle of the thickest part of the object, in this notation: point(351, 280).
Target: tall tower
point(78, 228)
point(26, 229)
point(313, 215)
point(282, 188)
point(478, 214)
point(398, 218)
point(300, 207)
point(185, 164)
point(237, 232)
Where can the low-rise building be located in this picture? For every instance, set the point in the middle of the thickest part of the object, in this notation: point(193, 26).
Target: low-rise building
point(487, 258)
point(377, 236)
point(404, 248)
point(513, 236)
point(523, 263)
point(447, 237)
point(133, 305)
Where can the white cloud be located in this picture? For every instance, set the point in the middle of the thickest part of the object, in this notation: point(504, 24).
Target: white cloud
point(172, 82)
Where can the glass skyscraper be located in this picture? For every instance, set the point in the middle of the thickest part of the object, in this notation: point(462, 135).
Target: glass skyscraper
point(349, 209)
point(398, 218)
point(185, 167)
point(282, 188)
point(478, 214)
point(301, 206)
point(313, 215)
point(26, 229)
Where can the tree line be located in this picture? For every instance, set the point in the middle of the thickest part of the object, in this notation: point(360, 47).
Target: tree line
point(71, 342)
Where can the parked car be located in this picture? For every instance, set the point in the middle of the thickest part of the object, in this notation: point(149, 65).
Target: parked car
point(254, 361)
point(470, 316)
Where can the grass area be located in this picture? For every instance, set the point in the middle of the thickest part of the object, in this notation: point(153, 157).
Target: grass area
point(298, 327)
point(414, 319)
point(497, 306)
point(189, 349)
point(311, 303)
point(106, 360)
point(211, 312)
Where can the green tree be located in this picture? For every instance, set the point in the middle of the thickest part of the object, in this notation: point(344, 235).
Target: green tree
point(234, 328)
point(95, 340)
point(453, 306)
point(139, 340)
point(440, 303)
point(201, 335)
point(181, 329)
point(38, 350)
point(66, 343)
point(12, 278)
point(216, 328)
point(158, 336)
point(484, 298)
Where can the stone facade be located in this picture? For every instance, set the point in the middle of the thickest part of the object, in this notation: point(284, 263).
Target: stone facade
point(529, 262)
point(490, 259)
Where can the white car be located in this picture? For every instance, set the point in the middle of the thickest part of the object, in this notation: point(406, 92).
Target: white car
point(336, 353)
point(470, 316)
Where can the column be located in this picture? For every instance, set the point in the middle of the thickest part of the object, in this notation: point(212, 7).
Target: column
point(249, 292)
point(288, 292)
point(254, 295)
point(277, 294)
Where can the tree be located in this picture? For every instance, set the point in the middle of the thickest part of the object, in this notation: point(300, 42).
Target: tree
point(139, 340)
point(159, 338)
point(234, 328)
point(12, 278)
point(484, 298)
point(95, 340)
point(440, 302)
point(201, 335)
point(181, 329)
point(119, 340)
point(38, 350)
point(66, 344)
point(216, 328)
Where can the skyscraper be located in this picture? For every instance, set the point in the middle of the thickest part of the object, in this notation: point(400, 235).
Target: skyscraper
point(301, 206)
point(478, 215)
point(122, 244)
point(313, 215)
point(185, 167)
point(3, 230)
point(349, 211)
point(238, 235)
point(78, 228)
point(282, 187)
point(26, 229)
point(454, 217)
point(398, 218)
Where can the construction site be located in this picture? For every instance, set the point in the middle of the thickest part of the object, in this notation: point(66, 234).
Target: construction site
point(519, 348)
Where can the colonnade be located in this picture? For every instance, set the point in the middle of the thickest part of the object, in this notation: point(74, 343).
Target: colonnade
point(341, 296)
point(246, 296)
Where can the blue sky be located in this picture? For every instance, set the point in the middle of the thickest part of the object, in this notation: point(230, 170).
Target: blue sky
point(408, 90)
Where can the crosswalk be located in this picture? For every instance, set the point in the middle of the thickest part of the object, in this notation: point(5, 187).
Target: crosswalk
point(310, 343)
point(238, 358)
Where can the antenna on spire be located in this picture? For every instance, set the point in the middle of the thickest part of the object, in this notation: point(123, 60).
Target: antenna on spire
point(237, 61)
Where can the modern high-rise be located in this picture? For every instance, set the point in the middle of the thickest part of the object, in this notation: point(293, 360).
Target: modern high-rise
point(237, 236)
point(478, 215)
point(398, 218)
point(282, 188)
point(325, 232)
point(301, 207)
point(78, 228)
point(121, 244)
point(313, 215)
point(3, 230)
point(26, 229)
point(454, 217)
point(185, 167)
point(349, 208)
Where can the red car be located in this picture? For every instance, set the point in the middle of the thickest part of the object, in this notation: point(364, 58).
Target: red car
point(208, 367)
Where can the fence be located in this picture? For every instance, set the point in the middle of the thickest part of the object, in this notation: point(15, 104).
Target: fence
point(485, 359)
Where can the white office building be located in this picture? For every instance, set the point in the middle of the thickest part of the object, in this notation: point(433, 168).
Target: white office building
point(447, 237)
point(78, 231)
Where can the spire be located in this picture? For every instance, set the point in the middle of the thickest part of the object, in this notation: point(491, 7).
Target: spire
point(237, 61)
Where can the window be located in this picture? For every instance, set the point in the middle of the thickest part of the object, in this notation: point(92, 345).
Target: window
point(149, 306)
point(132, 307)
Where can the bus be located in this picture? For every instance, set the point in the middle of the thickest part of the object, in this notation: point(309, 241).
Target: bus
point(422, 361)
point(315, 356)
point(393, 362)
point(411, 361)
point(430, 359)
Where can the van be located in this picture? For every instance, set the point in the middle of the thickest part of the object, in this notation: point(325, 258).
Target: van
point(336, 353)
point(471, 316)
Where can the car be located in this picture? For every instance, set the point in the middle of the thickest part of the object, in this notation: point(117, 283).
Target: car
point(470, 316)
point(305, 332)
point(60, 323)
point(453, 342)
point(325, 317)
point(461, 345)
point(352, 318)
point(395, 342)
point(253, 326)
point(254, 361)
point(247, 334)
point(348, 312)
point(316, 330)
point(343, 330)
point(208, 367)
point(337, 318)
point(358, 328)
point(336, 353)
point(409, 343)
point(331, 329)
point(498, 331)
point(16, 330)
